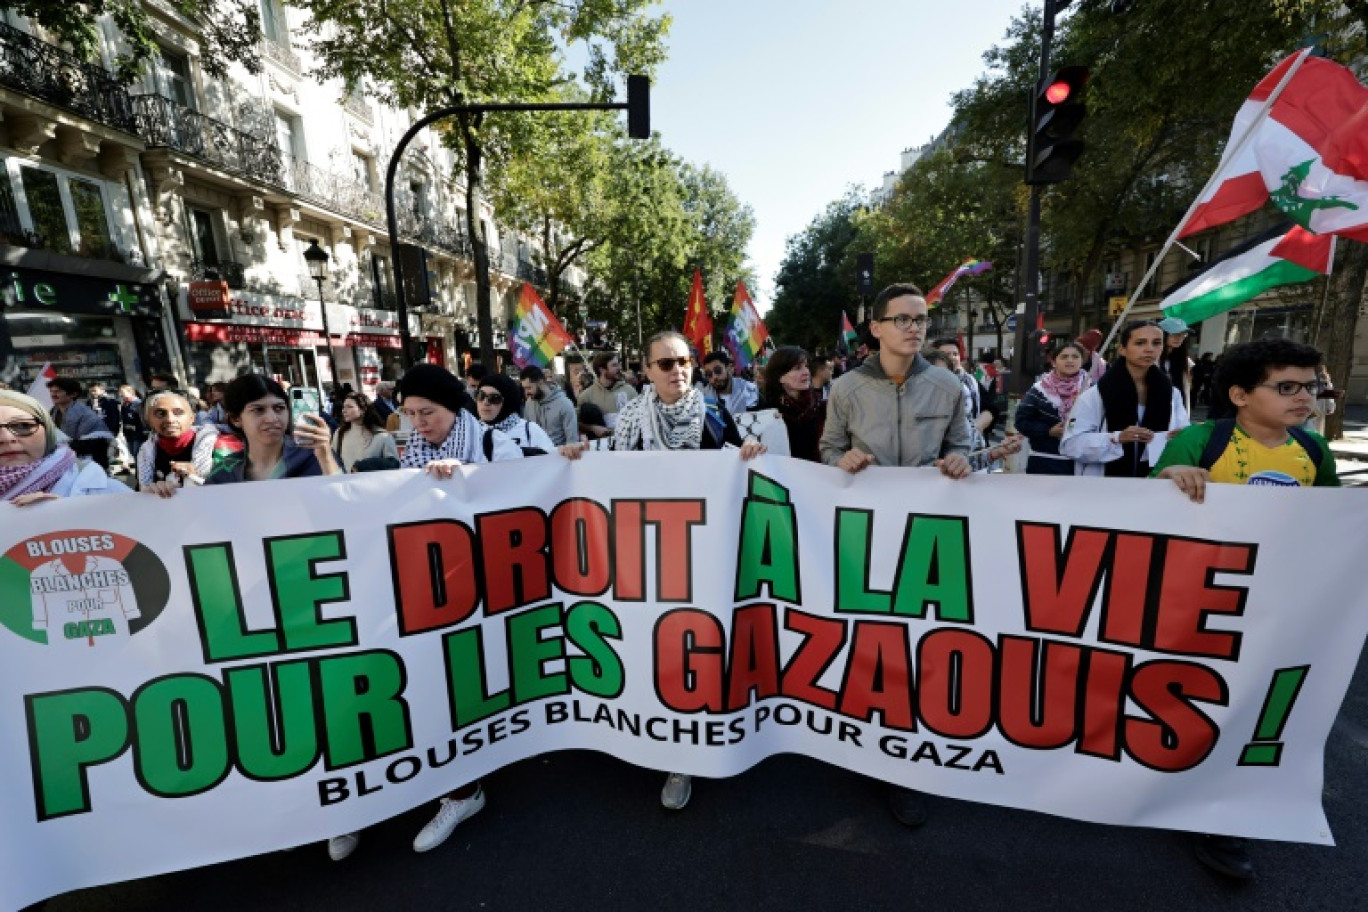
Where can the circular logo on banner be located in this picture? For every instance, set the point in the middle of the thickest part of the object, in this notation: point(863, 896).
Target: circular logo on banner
point(1271, 479)
point(81, 588)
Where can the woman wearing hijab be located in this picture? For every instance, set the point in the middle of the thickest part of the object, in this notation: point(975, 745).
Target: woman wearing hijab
point(671, 414)
point(33, 466)
point(446, 430)
point(499, 400)
point(1113, 426)
point(1045, 409)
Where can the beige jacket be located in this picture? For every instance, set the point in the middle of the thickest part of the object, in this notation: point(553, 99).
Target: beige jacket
point(910, 425)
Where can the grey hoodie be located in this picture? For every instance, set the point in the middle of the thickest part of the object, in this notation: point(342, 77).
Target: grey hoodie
point(555, 414)
point(910, 425)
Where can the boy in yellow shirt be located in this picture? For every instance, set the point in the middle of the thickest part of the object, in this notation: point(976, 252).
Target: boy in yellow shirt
point(1272, 384)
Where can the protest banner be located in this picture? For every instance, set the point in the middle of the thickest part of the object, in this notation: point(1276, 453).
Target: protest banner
point(240, 669)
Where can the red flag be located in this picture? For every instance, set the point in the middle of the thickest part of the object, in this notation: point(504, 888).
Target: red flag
point(698, 326)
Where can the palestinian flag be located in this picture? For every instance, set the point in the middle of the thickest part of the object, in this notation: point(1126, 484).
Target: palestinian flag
point(1286, 255)
point(1308, 152)
point(848, 340)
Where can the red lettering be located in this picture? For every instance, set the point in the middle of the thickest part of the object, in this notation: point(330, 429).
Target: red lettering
point(673, 546)
point(1038, 705)
point(822, 640)
point(1181, 735)
point(1104, 688)
point(955, 670)
point(877, 676)
point(579, 547)
point(629, 551)
point(435, 574)
point(513, 548)
point(754, 656)
point(1187, 597)
point(1128, 590)
point(1058, 599)
point(688, 661)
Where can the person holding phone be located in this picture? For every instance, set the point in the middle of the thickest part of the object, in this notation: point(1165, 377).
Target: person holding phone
point(258, 409)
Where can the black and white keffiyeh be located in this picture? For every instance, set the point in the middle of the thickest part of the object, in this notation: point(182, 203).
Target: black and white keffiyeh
point(462, 442)
point(649, 424)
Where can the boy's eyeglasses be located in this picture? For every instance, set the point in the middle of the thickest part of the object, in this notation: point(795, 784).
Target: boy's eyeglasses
point(1292, 387)
point(904, 322)
point(490, 398)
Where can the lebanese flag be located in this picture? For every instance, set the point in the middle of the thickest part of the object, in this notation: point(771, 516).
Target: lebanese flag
point(698, 325)
point(1308, 153)
point(1285, 255)
point(39, 389)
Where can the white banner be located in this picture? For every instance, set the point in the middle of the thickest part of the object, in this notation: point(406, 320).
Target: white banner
point(295, 660)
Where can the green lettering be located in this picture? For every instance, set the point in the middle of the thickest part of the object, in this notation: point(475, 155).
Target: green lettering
point(853, 595)
point(275, 728)
point(218, 607)
point(68, 732)
point(182, 745)
point(935, 569)
point(769, 543)
point(364, 712)
point(45, 293)
point(589, 626)
point(529, 653)
point(299, 592)
point(470, 702)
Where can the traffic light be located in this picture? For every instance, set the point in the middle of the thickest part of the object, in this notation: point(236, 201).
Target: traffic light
point(1056, 111)
point(1042, 340)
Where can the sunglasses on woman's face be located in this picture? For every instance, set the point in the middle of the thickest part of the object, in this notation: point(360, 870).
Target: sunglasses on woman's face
point(491, 398)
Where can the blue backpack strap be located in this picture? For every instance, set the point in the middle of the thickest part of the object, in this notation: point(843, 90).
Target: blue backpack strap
point(1220, 439)
point(1309, 444)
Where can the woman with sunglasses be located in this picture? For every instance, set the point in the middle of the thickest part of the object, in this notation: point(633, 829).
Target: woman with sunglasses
point(361, 434)
point(671, 414)
point(179, 451)
point(1118, 427)
point(34, 467)
point(499, 400)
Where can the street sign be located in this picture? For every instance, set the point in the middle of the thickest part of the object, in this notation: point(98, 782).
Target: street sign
point(1116, 305)
point(1010, 325)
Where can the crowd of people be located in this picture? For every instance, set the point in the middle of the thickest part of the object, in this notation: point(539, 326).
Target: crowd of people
point(903, 404)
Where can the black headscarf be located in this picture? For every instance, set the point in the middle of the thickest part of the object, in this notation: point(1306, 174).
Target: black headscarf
point(437, 384)
point(512, 393)
point(1122, 404)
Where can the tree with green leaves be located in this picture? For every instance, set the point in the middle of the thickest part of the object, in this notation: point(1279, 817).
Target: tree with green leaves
point(816, 279)
point(231, 30)
point(432, 54)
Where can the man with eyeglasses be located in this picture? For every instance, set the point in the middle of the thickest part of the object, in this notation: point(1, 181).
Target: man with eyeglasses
point(736, 393)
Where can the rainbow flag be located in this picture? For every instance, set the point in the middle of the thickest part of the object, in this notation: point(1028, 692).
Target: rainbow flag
point(968, 267)
point(746, 332)
point(537, 336)
point(698, 325)
point(849, 339)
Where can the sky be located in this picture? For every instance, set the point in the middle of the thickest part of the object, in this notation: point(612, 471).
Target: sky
point(796, 100)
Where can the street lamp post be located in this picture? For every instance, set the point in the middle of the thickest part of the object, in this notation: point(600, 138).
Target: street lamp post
point(637, 106)
point(317, 258)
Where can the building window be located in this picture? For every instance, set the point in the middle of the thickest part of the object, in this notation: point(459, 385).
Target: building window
point(363, 170)
point(273, 23)
point(204, 237)
point(382, 288)
point(287, 134)
point(66, 213)
point(418, 195)
point(173, 74)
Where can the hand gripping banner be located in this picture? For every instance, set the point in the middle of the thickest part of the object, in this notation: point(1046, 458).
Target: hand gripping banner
point(269, 655)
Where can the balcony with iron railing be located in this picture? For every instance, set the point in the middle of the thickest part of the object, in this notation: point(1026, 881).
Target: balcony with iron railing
point(52, 75)
point(164, 123)
point(282, 53)
point(335, 191)
point(235, 274)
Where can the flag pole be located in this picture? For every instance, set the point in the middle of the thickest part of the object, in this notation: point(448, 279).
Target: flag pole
point(1230, 156)
point(1325, 292)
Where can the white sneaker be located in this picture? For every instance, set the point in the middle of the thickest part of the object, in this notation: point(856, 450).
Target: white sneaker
point(678, 788)
point(339, 847)
point(451, 812)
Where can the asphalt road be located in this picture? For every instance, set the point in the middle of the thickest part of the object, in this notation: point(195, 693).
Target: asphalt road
point(580, 830)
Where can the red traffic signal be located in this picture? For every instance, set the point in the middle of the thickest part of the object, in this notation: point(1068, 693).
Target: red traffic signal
point(1042, 338)
point(1056, 112)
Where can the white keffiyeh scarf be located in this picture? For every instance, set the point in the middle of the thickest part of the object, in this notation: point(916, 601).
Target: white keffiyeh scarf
point(461, 443)
point(650, 423)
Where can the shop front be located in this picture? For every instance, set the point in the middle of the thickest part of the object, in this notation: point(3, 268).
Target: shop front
point(90, 328)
